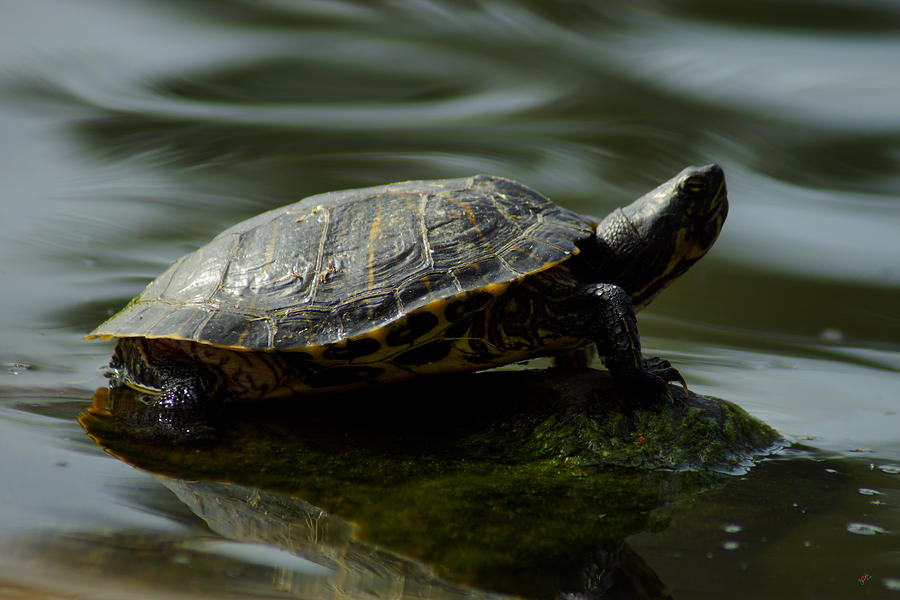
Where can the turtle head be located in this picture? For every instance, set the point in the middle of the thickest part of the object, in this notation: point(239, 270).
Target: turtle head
point(649, 243)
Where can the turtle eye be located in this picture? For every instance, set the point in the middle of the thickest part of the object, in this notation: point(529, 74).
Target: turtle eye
point(695, 184)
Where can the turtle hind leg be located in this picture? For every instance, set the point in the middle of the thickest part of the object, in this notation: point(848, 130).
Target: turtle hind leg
point(183, 391)
point(182, 413)
point(607, 317)
point(187, 405)
point(189, 393)
point(160, 364)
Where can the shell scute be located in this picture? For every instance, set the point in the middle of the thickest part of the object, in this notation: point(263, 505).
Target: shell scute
point(373, 310)
point(227, 328)
point(295, 330)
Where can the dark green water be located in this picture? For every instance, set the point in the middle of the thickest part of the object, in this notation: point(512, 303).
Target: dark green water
point(134, 131)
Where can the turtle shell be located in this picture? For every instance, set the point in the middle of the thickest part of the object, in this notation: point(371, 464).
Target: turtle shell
point(343, 264)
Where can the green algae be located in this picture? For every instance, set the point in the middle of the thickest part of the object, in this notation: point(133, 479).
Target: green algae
point(696, 437)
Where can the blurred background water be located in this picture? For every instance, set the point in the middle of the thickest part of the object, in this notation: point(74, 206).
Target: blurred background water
point(133, 131)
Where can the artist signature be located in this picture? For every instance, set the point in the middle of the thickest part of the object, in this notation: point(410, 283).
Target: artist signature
point(863, 580)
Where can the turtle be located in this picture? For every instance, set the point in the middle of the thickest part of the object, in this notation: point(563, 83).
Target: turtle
point(361, 287)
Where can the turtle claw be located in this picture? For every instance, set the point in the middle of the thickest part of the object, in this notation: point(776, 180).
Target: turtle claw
point(663, 369)
point(651, 384)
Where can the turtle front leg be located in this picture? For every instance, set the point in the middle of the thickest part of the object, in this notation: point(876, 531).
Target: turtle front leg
point(609, 320)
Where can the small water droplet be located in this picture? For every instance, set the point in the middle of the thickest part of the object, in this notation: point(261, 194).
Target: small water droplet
point(731, 545)
point(807, 544)
point(865, 529)
point(890, 469)
point(732, 528)
point(891, 583)
point(869, 492)
point(831, 335)
point(17, 368)
point(832, 471)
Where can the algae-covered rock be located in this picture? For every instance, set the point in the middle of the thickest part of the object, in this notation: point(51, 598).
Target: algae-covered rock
point(691, 432)
point(523, 482)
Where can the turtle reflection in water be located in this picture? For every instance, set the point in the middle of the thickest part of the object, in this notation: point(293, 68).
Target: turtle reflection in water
point(383, 284)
